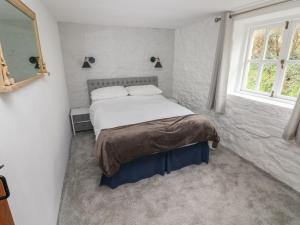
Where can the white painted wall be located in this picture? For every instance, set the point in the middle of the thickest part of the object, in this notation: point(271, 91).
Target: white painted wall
point(35, 134)
point(119, 52)
point(251, 129)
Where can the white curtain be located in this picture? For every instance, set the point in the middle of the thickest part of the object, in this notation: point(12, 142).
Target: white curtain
point(218, 88)
point(292, 130)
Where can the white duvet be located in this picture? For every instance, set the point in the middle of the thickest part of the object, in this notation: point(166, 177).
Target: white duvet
point(110, 113)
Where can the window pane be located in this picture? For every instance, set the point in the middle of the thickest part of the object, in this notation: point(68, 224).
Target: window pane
point(295, 51)
point(267, 78)
point(291, 83)
point(258, 42)
point(274, 43)
point(252, 76)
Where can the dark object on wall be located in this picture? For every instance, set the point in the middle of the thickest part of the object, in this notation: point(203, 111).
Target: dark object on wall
point(87, 61)
point(157, 60)
point(34, 60)
point(5, 187)
point(217, 19)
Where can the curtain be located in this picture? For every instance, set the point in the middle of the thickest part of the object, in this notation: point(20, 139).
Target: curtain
point(292, 130)
point(218, 88)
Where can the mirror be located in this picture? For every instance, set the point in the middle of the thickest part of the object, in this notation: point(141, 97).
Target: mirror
point(22, 60)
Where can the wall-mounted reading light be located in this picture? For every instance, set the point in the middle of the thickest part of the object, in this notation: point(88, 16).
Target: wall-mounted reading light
point(217, 19)
point(157, 60)
point(87, 61)
point(34, 60)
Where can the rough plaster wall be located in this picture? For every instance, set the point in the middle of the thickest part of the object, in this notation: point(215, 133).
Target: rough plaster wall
point(193, 62)
point(119, 52)
point(251, 129)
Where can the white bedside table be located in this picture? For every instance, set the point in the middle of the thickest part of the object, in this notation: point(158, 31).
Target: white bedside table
point(80, 118)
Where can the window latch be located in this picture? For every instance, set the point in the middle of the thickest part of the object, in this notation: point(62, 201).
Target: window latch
point(287, 23)
point(272, 94)
point(282, 63)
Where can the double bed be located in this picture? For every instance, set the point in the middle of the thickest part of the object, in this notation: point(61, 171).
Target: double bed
point(140, 136)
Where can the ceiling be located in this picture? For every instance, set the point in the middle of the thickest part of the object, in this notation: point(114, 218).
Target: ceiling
point(141, 13)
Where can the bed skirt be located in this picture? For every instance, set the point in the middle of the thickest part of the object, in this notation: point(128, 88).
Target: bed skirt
point(159, 163)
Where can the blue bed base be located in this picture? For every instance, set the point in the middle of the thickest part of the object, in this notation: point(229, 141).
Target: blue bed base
point(159, 163)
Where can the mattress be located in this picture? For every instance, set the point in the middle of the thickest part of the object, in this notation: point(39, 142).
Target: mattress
point(110, 113)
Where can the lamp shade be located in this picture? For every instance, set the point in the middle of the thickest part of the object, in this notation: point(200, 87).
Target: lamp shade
point(158, 64)
point(86, 65)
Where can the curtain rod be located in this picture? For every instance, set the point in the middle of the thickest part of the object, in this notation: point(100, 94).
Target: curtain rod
point(258, 8)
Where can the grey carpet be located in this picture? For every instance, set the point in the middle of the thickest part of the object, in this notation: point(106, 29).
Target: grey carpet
point(227, 191)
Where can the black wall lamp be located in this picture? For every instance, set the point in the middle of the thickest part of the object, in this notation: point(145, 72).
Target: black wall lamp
point(87, 61)
point(217, 19)
point(34, 60)
point(156, 61)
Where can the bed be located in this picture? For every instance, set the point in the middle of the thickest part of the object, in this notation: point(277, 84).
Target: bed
point(111, 117)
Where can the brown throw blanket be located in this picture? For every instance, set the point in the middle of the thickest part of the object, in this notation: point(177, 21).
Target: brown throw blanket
point(120, 145)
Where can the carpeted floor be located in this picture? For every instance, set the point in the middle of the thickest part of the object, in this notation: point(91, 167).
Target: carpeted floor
point(227, 191)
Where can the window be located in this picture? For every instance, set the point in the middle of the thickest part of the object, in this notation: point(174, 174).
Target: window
point(272, 66)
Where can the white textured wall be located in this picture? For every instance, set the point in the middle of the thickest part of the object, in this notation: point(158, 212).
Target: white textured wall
point(35, 134)
point(119, 52)
point(250, 128)
point(193, 62)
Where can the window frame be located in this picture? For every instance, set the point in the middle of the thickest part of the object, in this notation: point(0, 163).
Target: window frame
point(286, 48)
point(290, 35)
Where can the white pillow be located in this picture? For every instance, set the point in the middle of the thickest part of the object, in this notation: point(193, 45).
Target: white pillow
point(143, 90)
point(108, 92)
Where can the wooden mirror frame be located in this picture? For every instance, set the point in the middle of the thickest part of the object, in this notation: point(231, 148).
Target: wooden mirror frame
point(7, 84)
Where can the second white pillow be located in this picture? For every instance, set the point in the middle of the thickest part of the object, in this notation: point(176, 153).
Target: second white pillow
point(108, 92)
point(143, 90)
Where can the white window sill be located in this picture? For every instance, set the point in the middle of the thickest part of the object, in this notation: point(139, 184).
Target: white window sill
point(266, 99)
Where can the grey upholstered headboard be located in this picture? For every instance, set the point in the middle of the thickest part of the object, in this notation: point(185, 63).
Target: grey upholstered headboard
point(128, 81)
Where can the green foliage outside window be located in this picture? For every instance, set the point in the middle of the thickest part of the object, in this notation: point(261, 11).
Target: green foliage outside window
point(295, 52)
point(274, 43)
point(258, 42)
point(252, 75)
point(267, 79)
point(291, 84)
point(291, 81)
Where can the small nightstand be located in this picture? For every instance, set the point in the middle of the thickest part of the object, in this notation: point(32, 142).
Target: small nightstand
point(80, 118)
